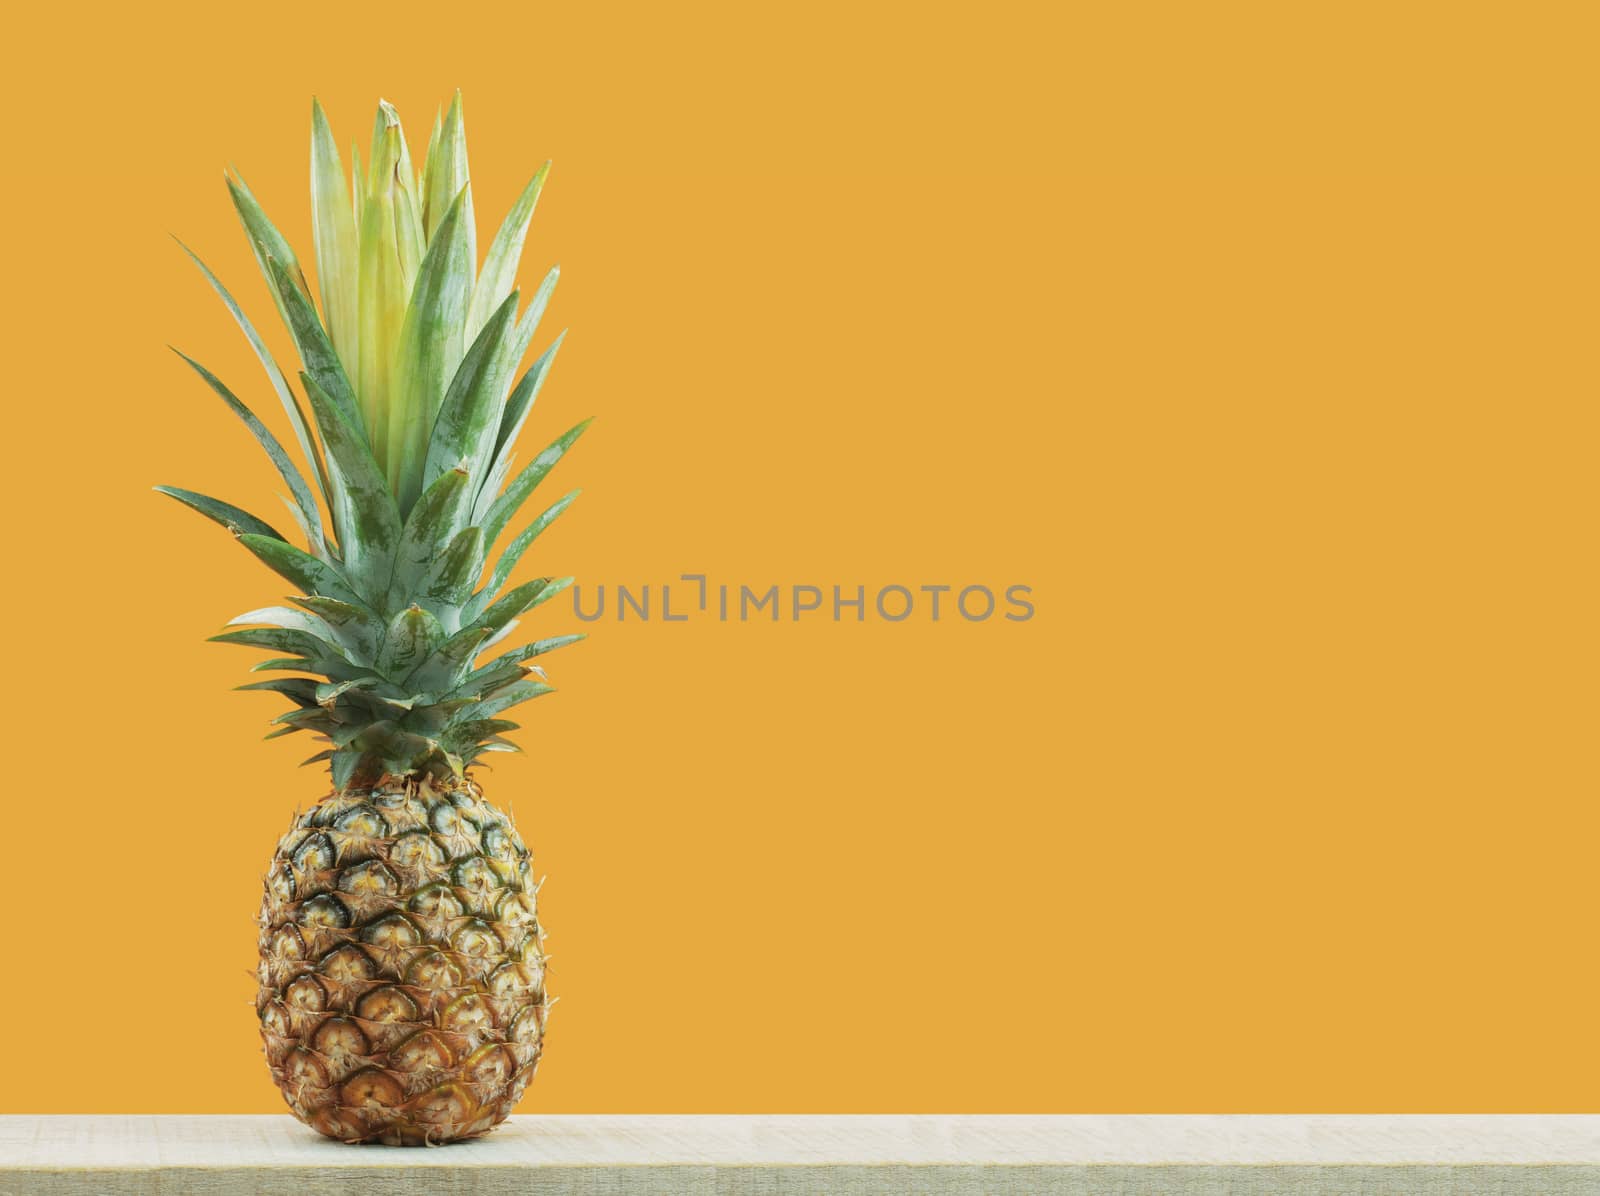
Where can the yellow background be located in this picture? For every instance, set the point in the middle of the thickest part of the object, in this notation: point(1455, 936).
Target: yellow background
point(1260, 339)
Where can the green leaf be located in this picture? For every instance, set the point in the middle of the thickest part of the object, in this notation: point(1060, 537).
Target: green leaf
point(537, 648)
point(355, 626)
point(430, 349)
point(391, 155)
point(292, 664)
point(430, 718)
point(317, 721)
point(280, 639)
point(431, 158)
point(521, 399)
point(311, 718)
point(464, 431)
point(281, 616)
point(481, 682)
point(414, 634)
point(513, 553)
point(511, 695)
point(333, 228)
point(369, 524)
point(266, 242)
point(299, 520)
point(297, 716)
point(311, 575)
point(383, 151)
point(328, 693)
point(514, 411)
point(379, 705)
point(316, 350)
point(467, 735)
point(504, 507)
point(494, 639)
point(408, 233)
point(492, 486)
point(449, 578)
point(499, 272)
point(300, 690)
point(433, 521)
point(524, 598)
point(280, 384)
point(384, 289)
point(448, 176)
point(503, 614)
point(269, 442)
point(343, 764)
point(445, 667)
point(228, 515)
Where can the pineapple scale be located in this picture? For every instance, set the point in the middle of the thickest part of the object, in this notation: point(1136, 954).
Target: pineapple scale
point(401, 983)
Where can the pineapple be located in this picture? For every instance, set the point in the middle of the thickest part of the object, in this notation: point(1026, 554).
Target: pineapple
point(401, 983)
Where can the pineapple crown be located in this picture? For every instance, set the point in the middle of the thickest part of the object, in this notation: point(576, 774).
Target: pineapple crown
point(408, 372)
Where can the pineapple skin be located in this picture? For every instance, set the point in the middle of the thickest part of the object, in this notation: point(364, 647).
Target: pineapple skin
point(401, 982)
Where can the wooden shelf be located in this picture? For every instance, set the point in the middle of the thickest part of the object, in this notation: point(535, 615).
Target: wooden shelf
point(778, 1155)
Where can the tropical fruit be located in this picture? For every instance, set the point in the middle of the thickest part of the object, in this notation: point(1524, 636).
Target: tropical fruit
point(401, 982)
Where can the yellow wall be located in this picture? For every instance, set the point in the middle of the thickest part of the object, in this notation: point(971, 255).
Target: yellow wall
point(1259, 339)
